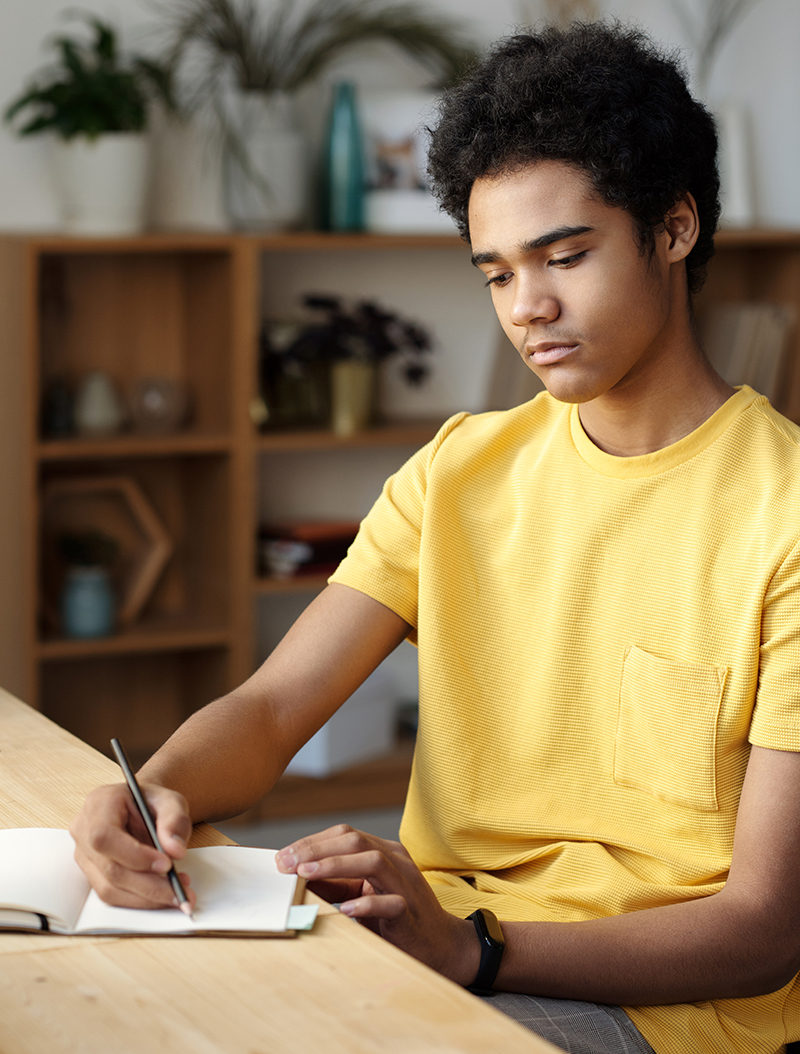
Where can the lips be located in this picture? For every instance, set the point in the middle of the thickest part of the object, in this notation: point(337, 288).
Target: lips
point(547, 353)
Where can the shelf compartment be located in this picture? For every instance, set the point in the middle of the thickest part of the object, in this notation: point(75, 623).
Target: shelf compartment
point(136, 315)
point(191, 497)
point(761, 266)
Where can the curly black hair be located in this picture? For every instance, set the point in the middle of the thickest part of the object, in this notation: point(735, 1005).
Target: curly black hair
point(600, 96)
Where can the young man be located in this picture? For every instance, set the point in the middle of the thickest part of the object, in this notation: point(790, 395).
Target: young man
point(603, 585)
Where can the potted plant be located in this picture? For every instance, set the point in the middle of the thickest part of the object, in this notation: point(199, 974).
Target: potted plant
point(95, 103)
point(245, 65)
point(346, 345)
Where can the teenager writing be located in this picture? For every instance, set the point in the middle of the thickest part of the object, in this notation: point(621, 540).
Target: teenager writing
point(603, 586)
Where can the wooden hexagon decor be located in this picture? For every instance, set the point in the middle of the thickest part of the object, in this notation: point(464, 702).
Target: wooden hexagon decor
point(117, 506)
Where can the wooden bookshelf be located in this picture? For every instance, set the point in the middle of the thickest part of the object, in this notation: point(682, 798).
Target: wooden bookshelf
point(187, 307)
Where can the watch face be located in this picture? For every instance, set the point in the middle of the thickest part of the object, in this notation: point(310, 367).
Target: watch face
point(493, 927)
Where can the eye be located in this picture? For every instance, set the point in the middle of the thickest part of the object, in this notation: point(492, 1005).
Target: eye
point(567, 261)
point(499, 279)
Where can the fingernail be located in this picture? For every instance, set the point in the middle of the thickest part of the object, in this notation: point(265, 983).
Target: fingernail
point(304, 870)
point(287, 860)
point(161, 866)
point(348, 908)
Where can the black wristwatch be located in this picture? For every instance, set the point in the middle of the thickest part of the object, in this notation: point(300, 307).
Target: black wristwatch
point(492, 947)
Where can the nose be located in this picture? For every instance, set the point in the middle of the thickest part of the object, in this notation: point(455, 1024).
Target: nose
point(533, 302)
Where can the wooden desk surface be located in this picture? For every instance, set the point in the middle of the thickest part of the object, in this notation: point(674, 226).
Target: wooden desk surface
point(339, 989)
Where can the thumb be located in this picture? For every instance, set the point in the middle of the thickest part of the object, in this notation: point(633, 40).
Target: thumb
point(173, 823)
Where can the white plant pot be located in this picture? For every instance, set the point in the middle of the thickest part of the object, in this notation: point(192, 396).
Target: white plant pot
point(266, 169)
point(102, 183)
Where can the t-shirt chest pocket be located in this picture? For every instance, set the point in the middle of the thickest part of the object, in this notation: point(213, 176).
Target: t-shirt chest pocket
point(667, 729)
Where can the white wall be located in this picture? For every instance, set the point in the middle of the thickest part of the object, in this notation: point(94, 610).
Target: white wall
point(758, 66)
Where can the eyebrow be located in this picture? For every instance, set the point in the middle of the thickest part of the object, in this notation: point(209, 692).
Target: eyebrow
point(532, 244)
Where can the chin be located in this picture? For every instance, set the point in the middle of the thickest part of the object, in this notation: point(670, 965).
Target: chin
point(570, 392)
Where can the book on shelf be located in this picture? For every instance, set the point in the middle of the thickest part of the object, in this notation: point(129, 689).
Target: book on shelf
point(747, 342)
point(239, 892)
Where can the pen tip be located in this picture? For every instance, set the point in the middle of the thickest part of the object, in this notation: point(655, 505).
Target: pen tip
point(186, 909)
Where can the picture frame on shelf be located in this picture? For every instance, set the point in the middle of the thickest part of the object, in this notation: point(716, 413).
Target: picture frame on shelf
point(115, 506)
point(396, 198)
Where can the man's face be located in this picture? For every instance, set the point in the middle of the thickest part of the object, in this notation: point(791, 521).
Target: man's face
point(588, 312)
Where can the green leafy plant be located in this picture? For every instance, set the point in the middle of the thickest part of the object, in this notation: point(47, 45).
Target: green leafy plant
point(216, 41)
point(93, 89)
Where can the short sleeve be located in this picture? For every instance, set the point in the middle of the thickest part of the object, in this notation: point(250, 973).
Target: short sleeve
point(776, 717)
point(383, 561)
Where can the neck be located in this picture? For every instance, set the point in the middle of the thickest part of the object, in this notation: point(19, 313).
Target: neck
point(638, 418)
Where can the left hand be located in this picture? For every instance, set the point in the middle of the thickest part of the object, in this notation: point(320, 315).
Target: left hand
point(378, 883)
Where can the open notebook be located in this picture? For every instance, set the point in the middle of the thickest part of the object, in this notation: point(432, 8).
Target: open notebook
point(239, 891)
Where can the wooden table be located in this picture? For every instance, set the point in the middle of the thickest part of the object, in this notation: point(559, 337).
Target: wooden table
point(338, 989)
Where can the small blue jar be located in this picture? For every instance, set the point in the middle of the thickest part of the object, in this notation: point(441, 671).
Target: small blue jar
point(87, 603)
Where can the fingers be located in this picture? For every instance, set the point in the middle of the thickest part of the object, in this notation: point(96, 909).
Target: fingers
point(343, 865)
point(113, 849)
point(387, 907)
point(341, 840)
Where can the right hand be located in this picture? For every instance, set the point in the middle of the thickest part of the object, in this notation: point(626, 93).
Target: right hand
point(113, 848)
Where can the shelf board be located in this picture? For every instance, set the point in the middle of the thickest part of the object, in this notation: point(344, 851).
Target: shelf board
point(377, 784)
point(398, 433)
point(157, 634)
point(195, 241)
point(757, 237)
point(360, 241)
point(298, 584)
point(133, 445)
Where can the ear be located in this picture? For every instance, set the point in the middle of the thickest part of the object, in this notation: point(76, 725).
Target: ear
point(682, 228)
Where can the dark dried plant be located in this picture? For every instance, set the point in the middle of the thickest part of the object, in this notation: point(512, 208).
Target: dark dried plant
point(217, 42)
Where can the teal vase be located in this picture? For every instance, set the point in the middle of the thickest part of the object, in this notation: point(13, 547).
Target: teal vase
point(343, 164)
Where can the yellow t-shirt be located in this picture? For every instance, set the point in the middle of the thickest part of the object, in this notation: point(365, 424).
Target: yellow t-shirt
point(600, 639)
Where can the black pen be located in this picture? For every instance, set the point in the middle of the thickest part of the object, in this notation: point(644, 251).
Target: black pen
point(149, 822)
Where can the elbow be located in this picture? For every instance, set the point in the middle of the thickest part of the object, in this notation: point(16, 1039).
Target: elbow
point(778, 972)
point(767, 965)
point(763, 942)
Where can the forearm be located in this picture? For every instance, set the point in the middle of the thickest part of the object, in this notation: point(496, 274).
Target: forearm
point(716, 947)
point(222, 759)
